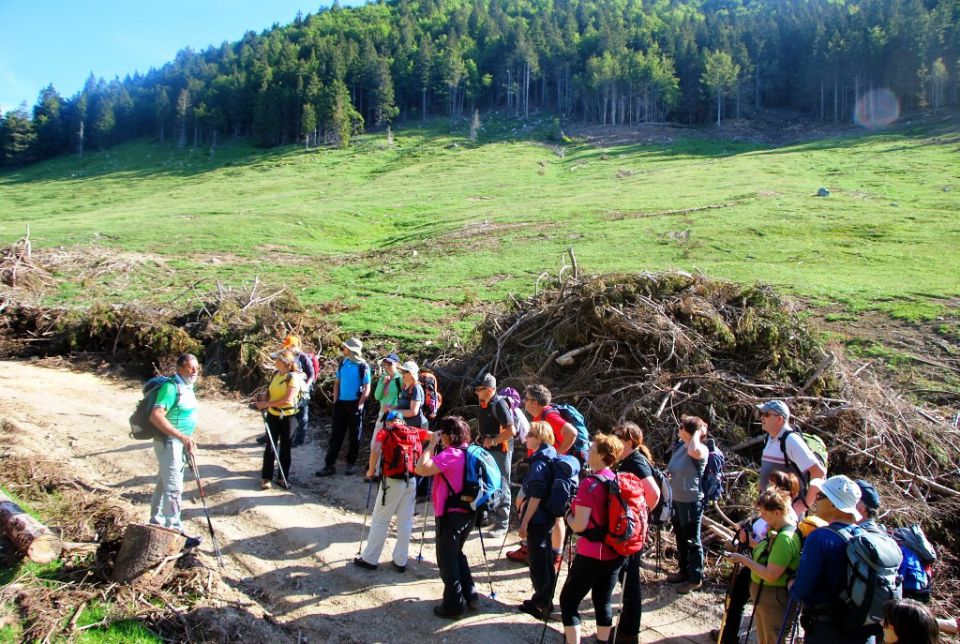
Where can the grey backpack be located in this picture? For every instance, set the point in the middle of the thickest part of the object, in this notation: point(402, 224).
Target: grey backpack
point(872, 578)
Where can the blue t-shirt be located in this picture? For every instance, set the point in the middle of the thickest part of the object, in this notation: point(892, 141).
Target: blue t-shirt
point(822, 574)
point(348, 375)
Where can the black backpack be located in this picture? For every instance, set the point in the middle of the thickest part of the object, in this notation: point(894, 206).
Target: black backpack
point(141, 427)
point(661, 512)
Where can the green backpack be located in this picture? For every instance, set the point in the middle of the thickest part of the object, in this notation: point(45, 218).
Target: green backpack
point(814, 443)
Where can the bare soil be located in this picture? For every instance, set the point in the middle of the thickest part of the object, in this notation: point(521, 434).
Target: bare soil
point(289, 553)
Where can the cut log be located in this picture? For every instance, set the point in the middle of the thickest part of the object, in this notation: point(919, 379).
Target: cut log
point(146, 552)
point(30, 537)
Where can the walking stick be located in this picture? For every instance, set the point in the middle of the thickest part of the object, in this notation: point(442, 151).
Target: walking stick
point(556, 579)
point(423, 532)
point(753, 613)
point(728, 598)
point(276, 455)
point(366, 511)
point(203, 500)
point(788, 619)
point(493, 594)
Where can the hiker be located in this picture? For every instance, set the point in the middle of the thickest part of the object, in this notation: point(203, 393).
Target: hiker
point(535, 523)
point(397, 491)
point(687, 462)
point(386, 390)
point(495, 433)
point(775, 421)
point(536, 401)
point(773, 562)
point(821, 575)
point(175, 414)
point(454, 523)
point(350, 391)
point(909, 622)
point(869, 507)
point(292, 343)
point(916, 569)
point(280, 403)
point(596, 565)
point(634, 459)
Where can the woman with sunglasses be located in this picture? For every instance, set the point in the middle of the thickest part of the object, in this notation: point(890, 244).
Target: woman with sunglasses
point(280, 403)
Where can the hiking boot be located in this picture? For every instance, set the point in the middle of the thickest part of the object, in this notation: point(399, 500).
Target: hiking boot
point(366, 565)
point(329, 470)
point(265, 484)
point(473, 602)
point(519, 555)
point(439, 611)
point(284, 484)
point(398, 567)
point(351, 470)
point(676, 578)
point(497, 533)
point(191, 542)
point(688, 587)
point(537, 612)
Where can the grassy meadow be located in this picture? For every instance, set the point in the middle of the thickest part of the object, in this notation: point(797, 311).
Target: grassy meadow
point(416, 236)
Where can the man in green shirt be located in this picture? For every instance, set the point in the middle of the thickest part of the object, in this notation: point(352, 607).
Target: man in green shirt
point(174, 414)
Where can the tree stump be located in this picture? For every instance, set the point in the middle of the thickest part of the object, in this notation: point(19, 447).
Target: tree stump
point(30, 537)
point(147, 551)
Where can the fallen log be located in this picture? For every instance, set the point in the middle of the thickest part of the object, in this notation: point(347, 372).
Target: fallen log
point(30, 537)
point(147, 550)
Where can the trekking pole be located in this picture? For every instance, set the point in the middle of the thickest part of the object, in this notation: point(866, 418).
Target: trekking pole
point(753, 613)
point(423, 532)
point(612, 637)
point(276, 455)
point(727, 599)
point(791, 605)
point(556, 579)
point(366, 511)
point(203, 500)
point(493, 594)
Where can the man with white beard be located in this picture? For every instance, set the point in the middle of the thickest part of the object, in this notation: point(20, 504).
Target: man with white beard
point(174, 414)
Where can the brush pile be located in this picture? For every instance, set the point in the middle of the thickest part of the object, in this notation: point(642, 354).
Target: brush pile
point(650, 347)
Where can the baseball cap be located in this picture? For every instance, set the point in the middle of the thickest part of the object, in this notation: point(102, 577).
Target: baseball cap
point(392, 416)
point(486, 381)
point(777, 407)
point(843, 493)
point(291, 341)
point(868, 494)
point(391, 357)
point(410, 366)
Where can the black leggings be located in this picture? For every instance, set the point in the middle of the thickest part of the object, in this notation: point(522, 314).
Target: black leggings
point(596, 577)
point(281, 430)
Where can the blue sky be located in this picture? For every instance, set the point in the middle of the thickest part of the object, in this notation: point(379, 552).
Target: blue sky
point(61, 41)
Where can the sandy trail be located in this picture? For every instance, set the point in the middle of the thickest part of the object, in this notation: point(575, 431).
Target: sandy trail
point(291, 552)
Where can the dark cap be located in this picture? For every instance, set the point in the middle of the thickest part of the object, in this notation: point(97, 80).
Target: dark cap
point(868, 494)
point(486, 381)
point(391, 357)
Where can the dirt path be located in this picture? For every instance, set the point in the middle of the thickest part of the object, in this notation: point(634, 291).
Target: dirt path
point(292, 552)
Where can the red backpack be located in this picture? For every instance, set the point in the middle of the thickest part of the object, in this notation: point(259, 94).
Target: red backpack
point(431, 394)
point(626, 529)
point(401, 450)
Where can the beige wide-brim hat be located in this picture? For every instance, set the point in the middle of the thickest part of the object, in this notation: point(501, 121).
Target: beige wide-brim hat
point(355, 347)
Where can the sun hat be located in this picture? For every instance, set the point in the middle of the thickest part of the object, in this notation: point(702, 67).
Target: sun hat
point(843, 493)
point(284, 356)
point(777, 407)
point(354, 346)
point(410, 366)
point(291, 341)
point(486, 381)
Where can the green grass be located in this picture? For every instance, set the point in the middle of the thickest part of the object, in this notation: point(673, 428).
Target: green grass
point(412, 236)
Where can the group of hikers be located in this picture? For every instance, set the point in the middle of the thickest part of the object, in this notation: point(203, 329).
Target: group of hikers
point(814, 553)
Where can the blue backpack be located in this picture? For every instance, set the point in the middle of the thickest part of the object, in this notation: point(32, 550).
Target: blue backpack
point(711, 481)
point(565, 477)
point(570, 414)
point(481, 491)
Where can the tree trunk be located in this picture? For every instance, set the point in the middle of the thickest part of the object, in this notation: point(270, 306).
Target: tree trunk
point(31, 538)
point(146, 551)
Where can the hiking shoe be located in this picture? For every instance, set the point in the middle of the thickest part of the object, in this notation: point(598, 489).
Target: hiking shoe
point(439, 611)
point(360, 562)
point(284, 484)
point(398, 567)
point(690, 586)
point(351, 469)
point(329, 470)
point(497, 533)
point(676, 578)
point(191, 542)
point(473, 602)
point(265, 484)
point(537, 612)
point(519, 555)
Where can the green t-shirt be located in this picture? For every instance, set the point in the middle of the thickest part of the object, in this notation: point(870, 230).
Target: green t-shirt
point(785, 551)
point(183, 414)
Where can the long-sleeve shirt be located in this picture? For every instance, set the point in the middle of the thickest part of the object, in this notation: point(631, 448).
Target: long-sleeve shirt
point(388, 397)
point(821, 575)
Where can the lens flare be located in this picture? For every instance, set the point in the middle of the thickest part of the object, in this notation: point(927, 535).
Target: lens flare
point(877, 109)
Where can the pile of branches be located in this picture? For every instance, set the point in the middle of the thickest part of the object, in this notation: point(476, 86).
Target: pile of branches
point(18, 268)
point(650, 347)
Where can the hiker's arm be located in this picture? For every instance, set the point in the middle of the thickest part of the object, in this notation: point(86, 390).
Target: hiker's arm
point(651, 492)
point(817, 475)
point(380, 391)
point(425, 465)
point(532, 506)
point(159, 419)
point(769, 573)
point(696, 449)
point(569, 433)
point(336, 388)
point(951, 625)
point(364, 394)
point(580, 519)
point(507, 432)
point(375, 452)
point(414, 410)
